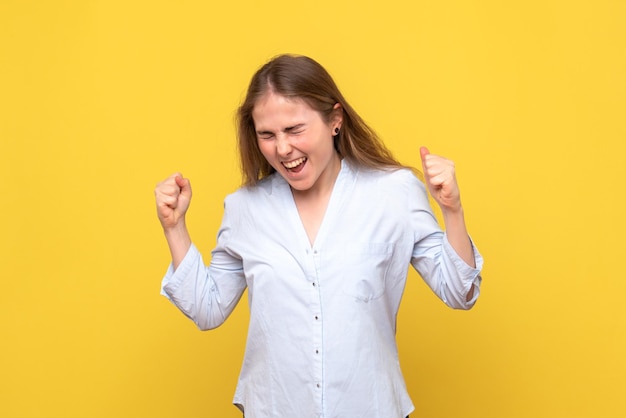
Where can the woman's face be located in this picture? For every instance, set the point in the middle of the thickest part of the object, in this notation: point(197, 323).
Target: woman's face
point(297, 141)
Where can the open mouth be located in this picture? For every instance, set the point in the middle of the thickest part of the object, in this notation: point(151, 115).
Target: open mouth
point(295, 165)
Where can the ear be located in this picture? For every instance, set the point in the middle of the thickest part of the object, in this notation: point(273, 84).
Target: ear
point(336, 118)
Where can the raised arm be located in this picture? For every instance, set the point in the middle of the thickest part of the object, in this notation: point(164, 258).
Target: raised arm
point(440, 178)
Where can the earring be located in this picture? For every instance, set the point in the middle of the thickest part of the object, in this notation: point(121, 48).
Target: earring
point(336, 131)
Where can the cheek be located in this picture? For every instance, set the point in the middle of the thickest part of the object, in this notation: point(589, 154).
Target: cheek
point(268, 150)
point(265, 149)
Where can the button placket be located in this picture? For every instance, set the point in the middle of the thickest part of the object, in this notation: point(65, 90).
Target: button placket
point(317, 318)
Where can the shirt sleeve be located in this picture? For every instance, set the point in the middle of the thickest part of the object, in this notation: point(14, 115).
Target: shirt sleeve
point(206, 294)
point(445, 272)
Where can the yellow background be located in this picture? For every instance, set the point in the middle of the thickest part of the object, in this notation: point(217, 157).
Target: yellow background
point(99, 100)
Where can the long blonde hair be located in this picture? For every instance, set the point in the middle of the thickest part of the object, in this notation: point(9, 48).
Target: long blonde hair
point(303, 78)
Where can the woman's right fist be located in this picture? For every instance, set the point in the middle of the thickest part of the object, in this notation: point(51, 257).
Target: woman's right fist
point(173, 196)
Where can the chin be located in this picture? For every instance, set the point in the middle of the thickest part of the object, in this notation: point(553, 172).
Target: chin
point(299, 186)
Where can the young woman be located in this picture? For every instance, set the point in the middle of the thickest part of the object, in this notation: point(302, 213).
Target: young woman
point(322, 234)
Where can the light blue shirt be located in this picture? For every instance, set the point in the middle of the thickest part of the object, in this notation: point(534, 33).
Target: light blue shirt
point(321, 339)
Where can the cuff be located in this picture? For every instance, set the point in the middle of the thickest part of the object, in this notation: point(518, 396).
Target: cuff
point(173, 278)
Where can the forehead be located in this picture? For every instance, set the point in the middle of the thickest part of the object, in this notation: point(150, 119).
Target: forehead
point(275, 110)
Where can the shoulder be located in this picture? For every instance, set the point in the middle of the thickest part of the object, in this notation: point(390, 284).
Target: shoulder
point(403, 178)
point(392, 189)
point(251, 196)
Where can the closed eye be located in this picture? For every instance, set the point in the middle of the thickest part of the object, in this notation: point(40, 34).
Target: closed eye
point(297, 129)
point(265, 135)
point(291, 130)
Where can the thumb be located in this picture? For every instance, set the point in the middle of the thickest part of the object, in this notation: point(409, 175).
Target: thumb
point(184, 184)
point(423, 153)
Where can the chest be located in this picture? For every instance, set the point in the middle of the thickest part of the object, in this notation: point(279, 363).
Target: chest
point(343, 238)
point(311, 213)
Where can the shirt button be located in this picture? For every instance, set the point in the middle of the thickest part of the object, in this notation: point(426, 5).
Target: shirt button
point(317, 351)
point(314, 284)
point(316, 318)
point(318, 385)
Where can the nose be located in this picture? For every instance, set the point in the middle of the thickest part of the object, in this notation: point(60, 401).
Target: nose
point(283, 146)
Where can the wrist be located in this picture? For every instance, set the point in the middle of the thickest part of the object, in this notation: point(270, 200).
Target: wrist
point(453, 212)
point(176, 232)
point(179, 242)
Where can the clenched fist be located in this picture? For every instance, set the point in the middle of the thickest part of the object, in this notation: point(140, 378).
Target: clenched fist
point(440, 179)
point(173, 196)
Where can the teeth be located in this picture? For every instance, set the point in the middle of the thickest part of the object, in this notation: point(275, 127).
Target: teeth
point(294, 163)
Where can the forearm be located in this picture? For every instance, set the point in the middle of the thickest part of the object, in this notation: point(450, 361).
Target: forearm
point(178, 241)
point(458, 236)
